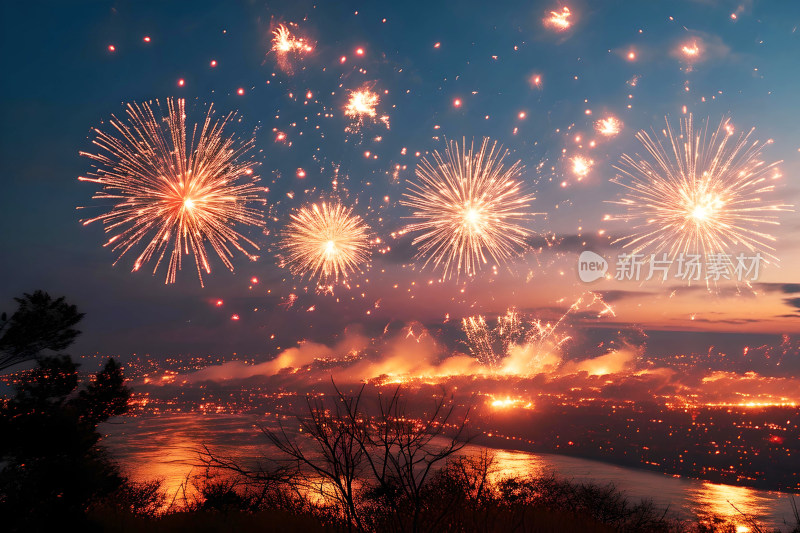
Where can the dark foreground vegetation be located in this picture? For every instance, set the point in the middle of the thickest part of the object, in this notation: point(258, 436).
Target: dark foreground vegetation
point(348, 463)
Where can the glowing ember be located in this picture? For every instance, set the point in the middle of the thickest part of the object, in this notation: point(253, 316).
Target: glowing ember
point(510, 403)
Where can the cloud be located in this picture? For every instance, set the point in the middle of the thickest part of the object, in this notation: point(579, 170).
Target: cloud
point(732, 387)
point(782, 288)
point(413, 352)
point(792, 302)
point(570, 242)
point(619, 295)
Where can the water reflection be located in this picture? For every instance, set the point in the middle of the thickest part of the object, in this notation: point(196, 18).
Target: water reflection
point(711, 499)
point(166, 447)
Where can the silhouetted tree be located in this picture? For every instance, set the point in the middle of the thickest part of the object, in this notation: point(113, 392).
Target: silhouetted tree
point(371, 465)
point(53, 467)
point(40, 323)
point(104, 397)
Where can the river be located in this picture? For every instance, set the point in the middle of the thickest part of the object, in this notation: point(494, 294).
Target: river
point(165, 447)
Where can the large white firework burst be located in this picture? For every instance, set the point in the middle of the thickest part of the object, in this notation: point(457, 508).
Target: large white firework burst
point(699, 192)
point(469, 208)
point(325, 241)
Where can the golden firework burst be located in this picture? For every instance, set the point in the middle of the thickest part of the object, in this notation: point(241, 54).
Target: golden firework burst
point(326, 241)
point(699, 192)
point(468, 208)
point(174, 195)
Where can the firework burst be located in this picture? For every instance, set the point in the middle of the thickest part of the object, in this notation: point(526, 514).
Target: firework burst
point(287, 47)
point(325, 241)
point(690, 50)
point(490, 344)
point(362, 106)
point(283, 42)
point(699, 192)
point(468, 207)
point(558, 20)
point(581, 166)
point(174, 197)
point(608, 126)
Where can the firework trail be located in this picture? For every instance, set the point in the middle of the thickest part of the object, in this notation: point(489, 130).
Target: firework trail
point(172, 196)
point(325, 241)
point(468, 207)
point(699, 192)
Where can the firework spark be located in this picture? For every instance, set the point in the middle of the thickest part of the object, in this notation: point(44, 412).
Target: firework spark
point(326, 241)
point(699, 192)
point(173, 196)
point(283, 42)
point(559, 20)
point(361, 106)
point(690, 50)
point(581, 166)
point(491, 345)
point(468, 207)
point(608, 126)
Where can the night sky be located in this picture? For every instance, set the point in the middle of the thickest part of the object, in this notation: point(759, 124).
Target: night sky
point(61, 80)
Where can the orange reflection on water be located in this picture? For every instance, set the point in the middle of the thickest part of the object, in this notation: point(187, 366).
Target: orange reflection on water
point(510, 464)
point(166, 447)
point(730, 502)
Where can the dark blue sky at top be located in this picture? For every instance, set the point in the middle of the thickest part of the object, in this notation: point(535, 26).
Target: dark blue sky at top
point(59, 80)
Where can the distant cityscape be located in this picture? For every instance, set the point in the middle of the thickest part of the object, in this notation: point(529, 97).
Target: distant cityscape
point(751, 444)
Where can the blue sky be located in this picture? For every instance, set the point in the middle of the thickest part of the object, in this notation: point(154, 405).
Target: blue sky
point(61, 80)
